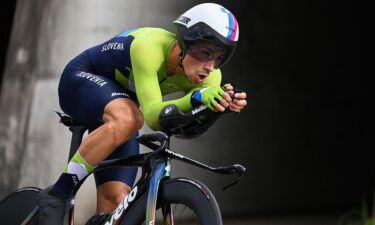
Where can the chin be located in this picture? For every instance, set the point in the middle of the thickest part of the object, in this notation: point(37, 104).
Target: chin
point(191, 79)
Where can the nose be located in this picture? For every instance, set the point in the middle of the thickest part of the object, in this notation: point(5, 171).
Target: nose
point(209, 66)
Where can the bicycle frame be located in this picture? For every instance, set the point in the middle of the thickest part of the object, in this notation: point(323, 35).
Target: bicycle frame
point(155, 171)
point(162, 171)
point(156, 166)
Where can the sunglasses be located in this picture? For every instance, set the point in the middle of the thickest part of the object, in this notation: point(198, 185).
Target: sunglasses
point(205, 52)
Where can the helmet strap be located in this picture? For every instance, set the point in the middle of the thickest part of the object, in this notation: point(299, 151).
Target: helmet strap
point(182, 56)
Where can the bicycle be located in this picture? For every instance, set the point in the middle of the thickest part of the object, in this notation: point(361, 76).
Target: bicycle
point(155, 192)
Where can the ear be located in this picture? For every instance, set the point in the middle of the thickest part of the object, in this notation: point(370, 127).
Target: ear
point(182, 56)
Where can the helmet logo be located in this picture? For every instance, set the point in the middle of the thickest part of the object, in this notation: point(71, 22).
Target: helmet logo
point(184, 19)
point(230, 28)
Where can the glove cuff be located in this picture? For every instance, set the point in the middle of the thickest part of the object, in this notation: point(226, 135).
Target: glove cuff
point(196, 98)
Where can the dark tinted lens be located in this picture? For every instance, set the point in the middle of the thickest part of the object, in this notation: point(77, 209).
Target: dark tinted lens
point(202, 55)
point(205, 55)
point(218, 61)
point(207, 50)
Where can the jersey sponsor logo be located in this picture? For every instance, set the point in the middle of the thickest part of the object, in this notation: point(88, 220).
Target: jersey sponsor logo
point(199, 109)
point(184, 19)
point(123, 206)
point(91, 77)
point(117, 94)
point(113, 45)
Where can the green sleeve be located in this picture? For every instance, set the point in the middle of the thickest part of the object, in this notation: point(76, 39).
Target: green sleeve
point(146, 60)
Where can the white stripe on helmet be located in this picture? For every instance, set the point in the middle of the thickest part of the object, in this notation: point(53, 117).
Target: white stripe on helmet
point(214, 15)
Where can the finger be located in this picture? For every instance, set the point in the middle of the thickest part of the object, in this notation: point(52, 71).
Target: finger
point(235, 107)
point(241, 95)
point(219, 108)
point(220, 91)
point(227, 97)
point(231, 94)
point(241, 103)
point(211, 107)
point(224, 103)
point(217, 98)
point(213, 100)
point(228, 87)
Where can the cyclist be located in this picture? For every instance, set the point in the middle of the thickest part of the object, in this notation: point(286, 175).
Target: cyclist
point(103, 87)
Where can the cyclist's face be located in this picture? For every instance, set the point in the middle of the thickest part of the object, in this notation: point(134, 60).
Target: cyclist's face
point(201, 59)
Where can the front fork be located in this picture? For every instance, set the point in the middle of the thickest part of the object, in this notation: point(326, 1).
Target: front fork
point(161, 171)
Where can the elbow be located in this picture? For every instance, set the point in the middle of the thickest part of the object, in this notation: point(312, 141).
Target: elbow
point(152, 123)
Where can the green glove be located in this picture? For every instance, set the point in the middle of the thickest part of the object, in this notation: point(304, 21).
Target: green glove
point(208, 96)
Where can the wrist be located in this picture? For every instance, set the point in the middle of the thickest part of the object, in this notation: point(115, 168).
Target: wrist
point(196, 98)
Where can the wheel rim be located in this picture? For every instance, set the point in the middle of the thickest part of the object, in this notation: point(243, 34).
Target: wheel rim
point(182, 215)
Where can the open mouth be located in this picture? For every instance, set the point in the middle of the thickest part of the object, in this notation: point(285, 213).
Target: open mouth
point(201, 76)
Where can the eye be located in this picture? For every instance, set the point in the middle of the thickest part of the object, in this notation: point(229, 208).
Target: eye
point(206, 53)
point(219, 58)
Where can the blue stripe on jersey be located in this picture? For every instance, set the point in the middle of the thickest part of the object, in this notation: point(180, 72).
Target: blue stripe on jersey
point(124, 34)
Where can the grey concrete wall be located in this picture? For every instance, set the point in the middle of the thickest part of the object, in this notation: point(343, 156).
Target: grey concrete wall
point(18, 84)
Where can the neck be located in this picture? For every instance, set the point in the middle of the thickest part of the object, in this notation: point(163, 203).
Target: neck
point(173, 61)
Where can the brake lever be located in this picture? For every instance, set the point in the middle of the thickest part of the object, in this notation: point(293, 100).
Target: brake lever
point(240, 170)
point(233, 183)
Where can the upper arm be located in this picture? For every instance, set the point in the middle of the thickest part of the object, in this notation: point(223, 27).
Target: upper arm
point(146, 60)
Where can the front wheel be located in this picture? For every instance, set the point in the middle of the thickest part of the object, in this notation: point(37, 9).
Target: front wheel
point(191, 202)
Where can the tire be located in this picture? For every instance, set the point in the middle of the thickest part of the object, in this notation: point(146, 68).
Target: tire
point(182, 191)
point(18, 205)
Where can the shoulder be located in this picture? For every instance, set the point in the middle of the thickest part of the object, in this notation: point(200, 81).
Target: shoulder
point(153, 35)
point(213, 79)
point(151, 44)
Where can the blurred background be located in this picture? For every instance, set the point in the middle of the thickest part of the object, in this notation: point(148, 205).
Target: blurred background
point(301, 138)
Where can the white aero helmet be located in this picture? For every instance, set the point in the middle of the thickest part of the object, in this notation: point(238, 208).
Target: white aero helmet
point(208, 21)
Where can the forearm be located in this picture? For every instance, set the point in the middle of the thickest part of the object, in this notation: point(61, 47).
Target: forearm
point(152, 112)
